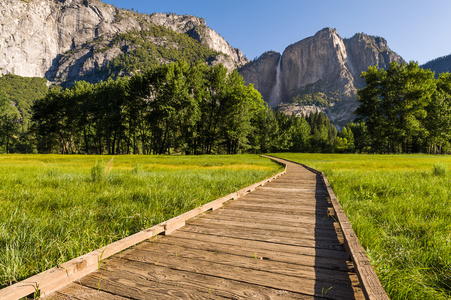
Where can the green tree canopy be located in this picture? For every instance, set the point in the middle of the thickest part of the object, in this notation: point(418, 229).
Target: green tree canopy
point(393, 106)
point(9, 121)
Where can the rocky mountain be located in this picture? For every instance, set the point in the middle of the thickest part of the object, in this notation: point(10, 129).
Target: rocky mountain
point(321, 72)
point(67, 40)
point(439, 65)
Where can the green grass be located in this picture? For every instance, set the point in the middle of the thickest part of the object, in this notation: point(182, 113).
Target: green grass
point(54, 208)
point(400, 208)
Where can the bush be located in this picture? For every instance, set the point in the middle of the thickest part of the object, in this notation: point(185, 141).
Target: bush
point(439, 169)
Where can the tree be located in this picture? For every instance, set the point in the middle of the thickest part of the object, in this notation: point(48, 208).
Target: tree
point(240, 104)
point(266, 135)
point(362, 141)
point(9, 121)
point(393, 105)
point(345, 141)
point(212, 105)
point(438, 120)
point(300, 134)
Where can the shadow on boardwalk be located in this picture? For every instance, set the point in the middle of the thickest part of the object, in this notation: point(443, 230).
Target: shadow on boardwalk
point(325, 223)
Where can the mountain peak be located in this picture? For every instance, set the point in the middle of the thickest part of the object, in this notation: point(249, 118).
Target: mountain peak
point(67, 40)
point(327, 30)
point(320, 72)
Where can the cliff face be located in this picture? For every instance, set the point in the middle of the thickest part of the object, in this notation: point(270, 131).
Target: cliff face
point(36, 35)
point(320, 72)
point(263, 74)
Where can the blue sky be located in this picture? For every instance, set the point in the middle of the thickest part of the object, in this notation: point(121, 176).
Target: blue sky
point(416, 30)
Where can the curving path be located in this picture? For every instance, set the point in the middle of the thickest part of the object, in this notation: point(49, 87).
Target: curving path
point(278, 242)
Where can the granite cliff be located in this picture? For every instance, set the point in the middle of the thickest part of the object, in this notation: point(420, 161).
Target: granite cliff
point(321, 72)
point(65, 40)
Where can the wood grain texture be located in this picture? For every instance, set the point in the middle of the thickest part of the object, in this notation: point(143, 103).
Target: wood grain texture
point(80, 292)
point(230, 289)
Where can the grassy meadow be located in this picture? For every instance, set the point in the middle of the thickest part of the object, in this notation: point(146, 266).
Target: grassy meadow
point(54, 208)
point(400, 208)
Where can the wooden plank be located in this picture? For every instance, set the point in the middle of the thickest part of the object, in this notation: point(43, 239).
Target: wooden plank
point(250, 208)
point(281, 188)
point(301, 241)
point(282, 231)
point(159, 251)
point(269, 206)
point(76, 291)
point(307, 259)
point(267, 279)
point(241, 223)
point(268, 220)
point(131, 285)
point(212, 285)
point(262, 245)
point(283, 199)
point(311, 219)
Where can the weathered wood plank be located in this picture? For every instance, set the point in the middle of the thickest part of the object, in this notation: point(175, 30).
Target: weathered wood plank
point(131, 285)
point(205, 221)
point(283, 199)
point(280, 208)
point(288, 212)
point(160, 252)
point(212, 285)
point(299, 240)
point(262, 245)
point(306, 259)
point(268, 279)
point(269, 219)
point(312, 190)
point(76, 291)
point(304, 233)
point(317, 220)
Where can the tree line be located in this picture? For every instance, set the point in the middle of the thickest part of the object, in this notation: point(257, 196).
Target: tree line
point(197, 109)
point(177, 107)
point(404, 109)
point(190, 109)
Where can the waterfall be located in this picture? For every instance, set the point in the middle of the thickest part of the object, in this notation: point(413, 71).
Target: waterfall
point(274, 98)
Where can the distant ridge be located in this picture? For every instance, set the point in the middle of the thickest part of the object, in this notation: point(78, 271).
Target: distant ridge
point(439, 65)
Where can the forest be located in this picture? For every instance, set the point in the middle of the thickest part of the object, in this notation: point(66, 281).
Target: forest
point(404, 109)
point(175, 108)
point(182, 108)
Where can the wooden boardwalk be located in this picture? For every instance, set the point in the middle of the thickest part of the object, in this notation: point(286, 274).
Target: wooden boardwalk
point(278, 242)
